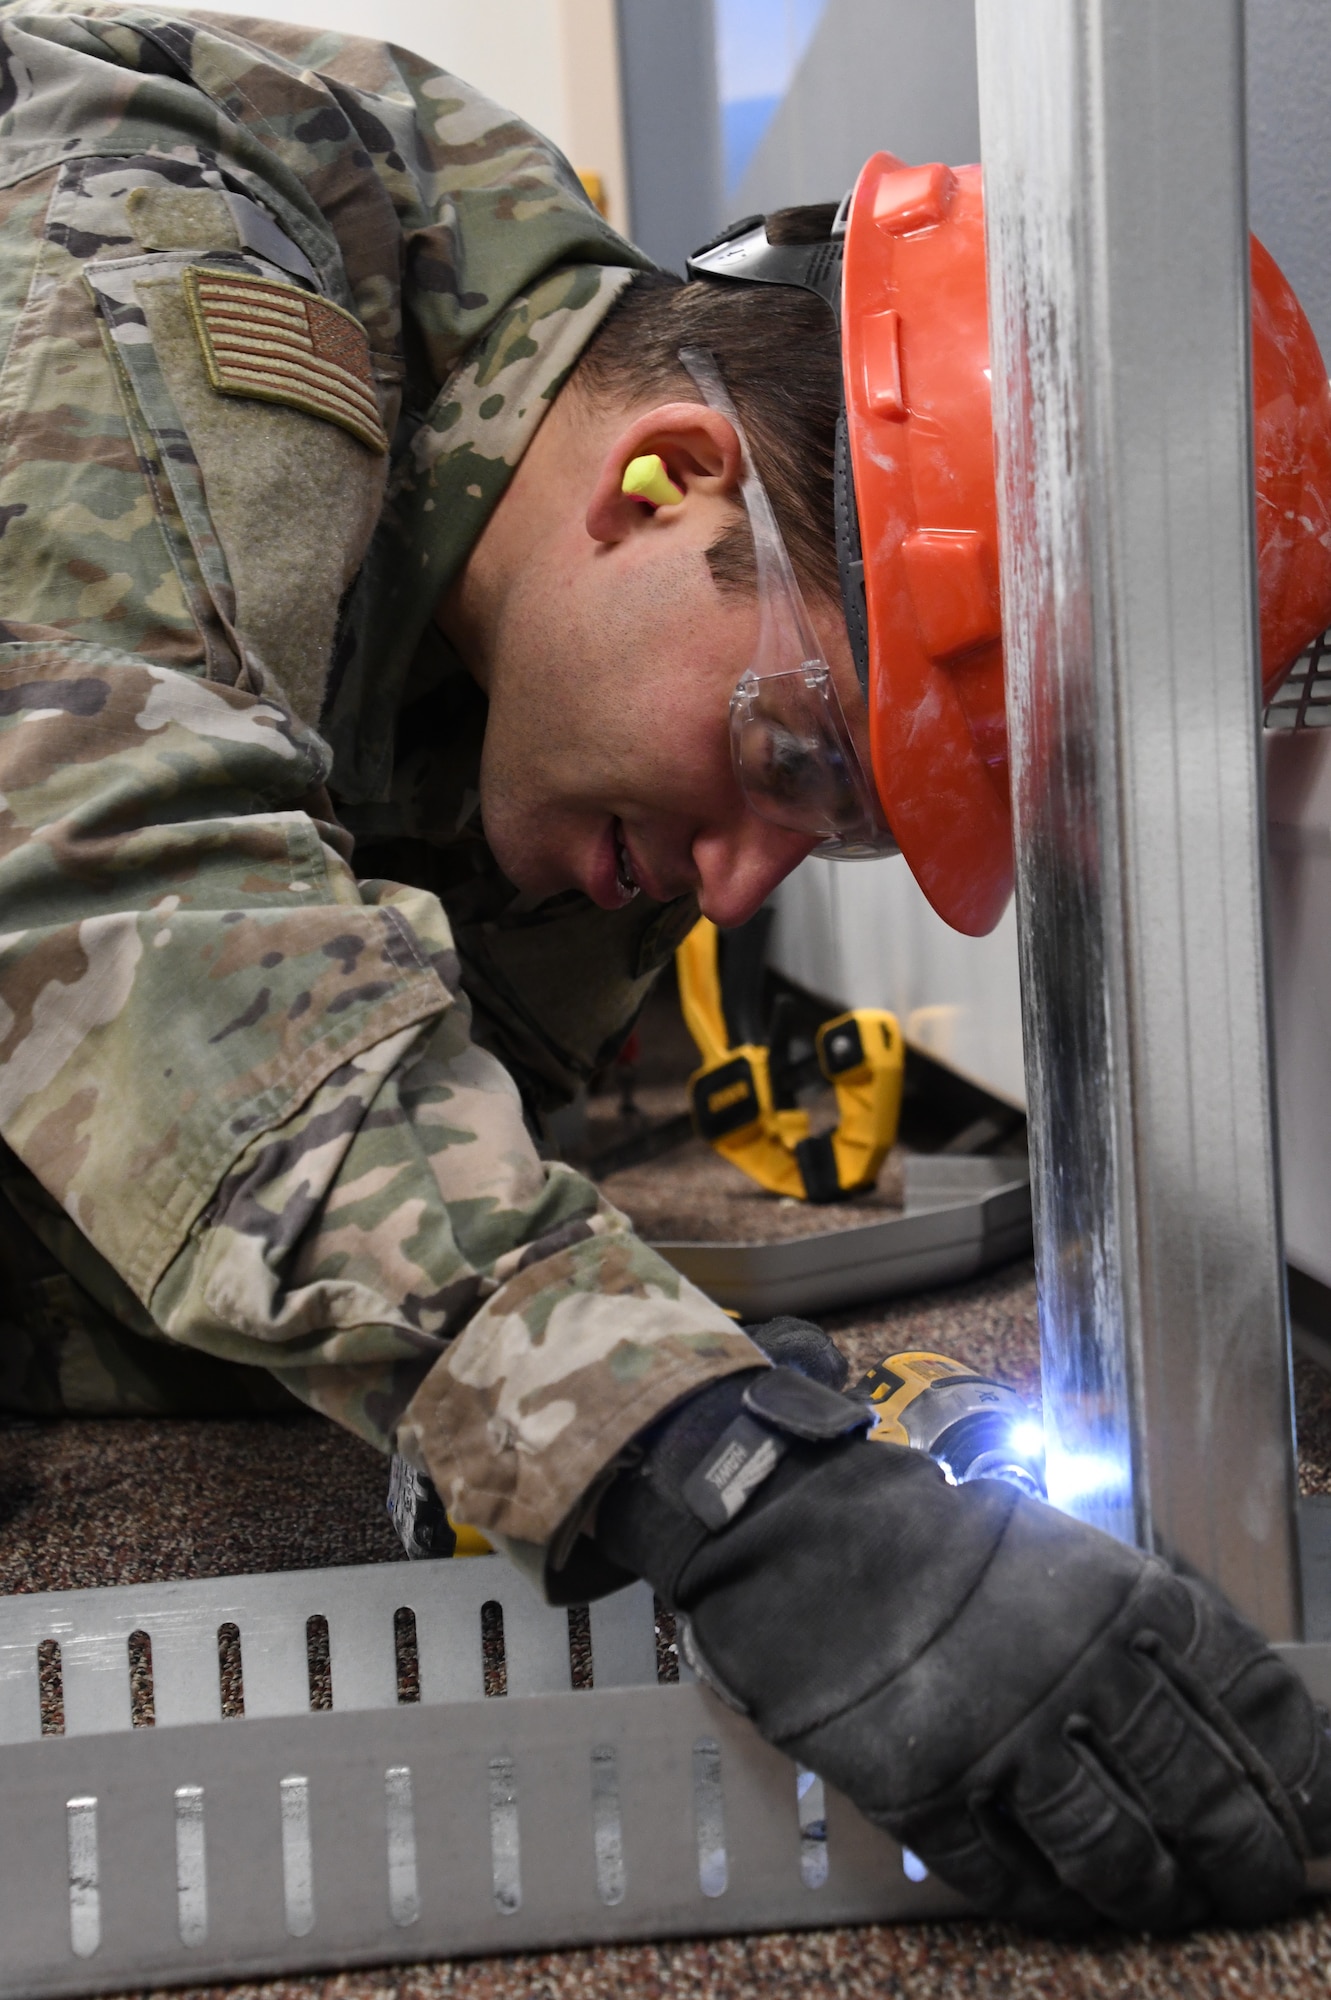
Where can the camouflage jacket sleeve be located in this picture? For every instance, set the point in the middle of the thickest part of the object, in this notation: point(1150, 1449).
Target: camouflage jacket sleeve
point(246, 1076)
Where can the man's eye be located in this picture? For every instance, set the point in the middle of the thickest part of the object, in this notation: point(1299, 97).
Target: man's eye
point(809, 767)
point(788, 766)
point(790, 758)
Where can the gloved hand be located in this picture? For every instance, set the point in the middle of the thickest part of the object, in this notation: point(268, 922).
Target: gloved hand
point(799, 1344)
point(1064, 1729)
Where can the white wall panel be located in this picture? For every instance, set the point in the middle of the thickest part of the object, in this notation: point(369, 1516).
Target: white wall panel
point(861, 933)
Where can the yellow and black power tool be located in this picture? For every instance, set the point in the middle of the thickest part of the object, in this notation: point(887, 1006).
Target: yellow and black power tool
point(975, 1427)
point(741, 1101)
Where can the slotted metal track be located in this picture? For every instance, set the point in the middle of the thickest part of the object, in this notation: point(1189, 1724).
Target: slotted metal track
point(290, 1840)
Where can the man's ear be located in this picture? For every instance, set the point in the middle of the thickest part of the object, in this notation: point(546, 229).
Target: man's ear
point(699, 450)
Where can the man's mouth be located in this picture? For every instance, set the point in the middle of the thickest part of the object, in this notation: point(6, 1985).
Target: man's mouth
point(626, 880)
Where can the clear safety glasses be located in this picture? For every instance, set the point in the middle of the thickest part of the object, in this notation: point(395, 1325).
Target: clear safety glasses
point(795, 754)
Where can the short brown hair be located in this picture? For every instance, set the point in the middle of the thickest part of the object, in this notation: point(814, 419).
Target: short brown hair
point(779, 354)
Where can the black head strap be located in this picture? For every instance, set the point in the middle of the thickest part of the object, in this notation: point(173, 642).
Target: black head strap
point(849, 554)
point(742, 254)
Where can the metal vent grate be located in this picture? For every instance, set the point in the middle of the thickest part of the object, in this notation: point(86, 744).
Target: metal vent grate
point(1303, 701)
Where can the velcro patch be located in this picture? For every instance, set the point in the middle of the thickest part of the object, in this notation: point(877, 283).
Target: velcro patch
point(279, 344)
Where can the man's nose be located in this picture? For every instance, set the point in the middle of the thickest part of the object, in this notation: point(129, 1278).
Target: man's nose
point(739, 866)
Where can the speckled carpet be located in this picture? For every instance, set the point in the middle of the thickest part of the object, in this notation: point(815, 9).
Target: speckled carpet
point(99, 1503)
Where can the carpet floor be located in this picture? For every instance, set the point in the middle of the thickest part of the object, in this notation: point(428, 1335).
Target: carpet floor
point(119, 1502)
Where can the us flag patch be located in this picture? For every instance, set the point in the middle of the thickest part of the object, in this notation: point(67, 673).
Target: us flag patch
point(276, 343)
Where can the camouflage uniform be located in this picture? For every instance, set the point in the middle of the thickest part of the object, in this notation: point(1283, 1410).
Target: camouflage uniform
point(252, 1102)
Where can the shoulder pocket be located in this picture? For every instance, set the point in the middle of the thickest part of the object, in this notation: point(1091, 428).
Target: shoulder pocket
point(270, 341)
point(261, 404)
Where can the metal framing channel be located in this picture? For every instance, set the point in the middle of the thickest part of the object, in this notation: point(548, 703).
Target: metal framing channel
point(1113, 141)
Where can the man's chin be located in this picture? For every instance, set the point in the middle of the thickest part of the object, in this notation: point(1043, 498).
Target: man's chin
point(542, 861)
point(535, 876)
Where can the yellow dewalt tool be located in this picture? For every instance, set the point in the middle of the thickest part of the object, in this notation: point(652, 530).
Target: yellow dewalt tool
point(975, 1427)
point(749, 1114)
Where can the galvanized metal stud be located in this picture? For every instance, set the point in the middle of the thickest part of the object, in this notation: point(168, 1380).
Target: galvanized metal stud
point(1113, 143)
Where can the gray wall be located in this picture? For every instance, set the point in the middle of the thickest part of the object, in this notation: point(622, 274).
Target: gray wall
point(672, 128)
point(893, 76)
point(900, 75)
point(1289, 146)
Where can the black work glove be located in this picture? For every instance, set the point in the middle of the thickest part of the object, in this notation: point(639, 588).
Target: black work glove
point(799, 1344)
point(1063, 1728)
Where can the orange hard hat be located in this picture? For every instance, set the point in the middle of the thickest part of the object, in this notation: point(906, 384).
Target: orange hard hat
point(916, 514)
point(915, 351)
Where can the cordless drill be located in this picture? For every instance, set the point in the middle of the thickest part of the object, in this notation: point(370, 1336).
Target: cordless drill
point(975, 1427)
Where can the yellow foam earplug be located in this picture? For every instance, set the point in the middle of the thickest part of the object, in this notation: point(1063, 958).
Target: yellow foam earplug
point(647, 479)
